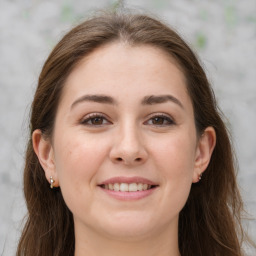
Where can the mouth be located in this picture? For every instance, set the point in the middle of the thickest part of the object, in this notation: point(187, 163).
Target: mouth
point(127, 187)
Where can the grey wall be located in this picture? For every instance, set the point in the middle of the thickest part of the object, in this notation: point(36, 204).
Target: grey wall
point(223, 33)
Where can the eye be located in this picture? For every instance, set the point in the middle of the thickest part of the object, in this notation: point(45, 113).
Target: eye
point(160, 120)
point(95, 119)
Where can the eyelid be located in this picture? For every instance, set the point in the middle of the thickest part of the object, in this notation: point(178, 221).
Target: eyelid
point(85, 120)
point(89, 116)
point(167, 117)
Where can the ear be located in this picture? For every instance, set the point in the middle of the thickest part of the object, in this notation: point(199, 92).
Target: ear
point(44, 152)
point(204, 151)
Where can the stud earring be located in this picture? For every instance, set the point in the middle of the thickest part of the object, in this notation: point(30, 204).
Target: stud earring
point(200, 177)
point(51, 182)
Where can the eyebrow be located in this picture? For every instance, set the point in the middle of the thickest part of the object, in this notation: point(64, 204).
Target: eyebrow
point(153, 99)
point(95, 98)
point(147, 100)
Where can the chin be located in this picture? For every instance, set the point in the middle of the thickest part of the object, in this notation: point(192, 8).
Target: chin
point(131, 227)
point(128, 232)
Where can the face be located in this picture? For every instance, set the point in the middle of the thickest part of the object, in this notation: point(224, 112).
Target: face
point(124, 150)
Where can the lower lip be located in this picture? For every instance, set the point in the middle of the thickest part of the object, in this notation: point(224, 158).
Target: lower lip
point(127, 196)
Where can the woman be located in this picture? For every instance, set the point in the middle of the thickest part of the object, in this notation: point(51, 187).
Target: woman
point(128, 153)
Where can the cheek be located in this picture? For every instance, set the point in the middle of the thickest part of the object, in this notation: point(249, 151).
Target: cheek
point(176, 156)
point(175, 161)
point(77, 161)
point(72, 160)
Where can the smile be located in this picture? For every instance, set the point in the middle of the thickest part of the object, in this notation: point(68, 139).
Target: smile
point(126, 187)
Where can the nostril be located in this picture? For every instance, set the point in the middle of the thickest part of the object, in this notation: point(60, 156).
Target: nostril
point(128, 161)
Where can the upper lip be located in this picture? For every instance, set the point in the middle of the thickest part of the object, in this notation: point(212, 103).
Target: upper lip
point(122, 179)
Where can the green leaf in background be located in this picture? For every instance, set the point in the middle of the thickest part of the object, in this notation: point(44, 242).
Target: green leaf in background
point(26, 14)
point(230, 16)
point(117, 5)
point(67, 13)
point(204, 15)
point(201, 40)
point(160, 4)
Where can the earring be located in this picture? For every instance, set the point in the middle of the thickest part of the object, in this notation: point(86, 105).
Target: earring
point(51, 181)
point(200, 177)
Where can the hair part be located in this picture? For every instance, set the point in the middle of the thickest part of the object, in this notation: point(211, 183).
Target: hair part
point(210, 222)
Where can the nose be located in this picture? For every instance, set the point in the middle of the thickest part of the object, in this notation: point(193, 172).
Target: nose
point(128, 147)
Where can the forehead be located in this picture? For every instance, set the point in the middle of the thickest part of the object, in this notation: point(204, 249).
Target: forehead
point(120, 56)
point(119, 68)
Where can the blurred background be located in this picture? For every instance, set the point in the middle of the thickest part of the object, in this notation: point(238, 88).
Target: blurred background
point(222, 32)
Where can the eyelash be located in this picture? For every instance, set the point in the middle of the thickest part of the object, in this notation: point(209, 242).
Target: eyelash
point(167, 119)
point(94, 116)
point(88, 120)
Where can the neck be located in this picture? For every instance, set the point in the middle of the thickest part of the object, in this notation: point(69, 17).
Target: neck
point(165, 243)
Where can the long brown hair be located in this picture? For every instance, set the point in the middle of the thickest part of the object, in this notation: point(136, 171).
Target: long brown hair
point(210, 222)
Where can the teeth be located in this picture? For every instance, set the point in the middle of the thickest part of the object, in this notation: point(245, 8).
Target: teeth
point(140, 186)
point(145, 187)
point(125, 187)
point(133, 187)
point(116, 186)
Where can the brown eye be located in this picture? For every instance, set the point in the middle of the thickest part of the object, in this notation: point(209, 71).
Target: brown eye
point(97, 120)
point(160, 120)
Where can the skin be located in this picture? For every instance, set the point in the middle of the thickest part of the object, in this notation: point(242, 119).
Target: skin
point(154, 141)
